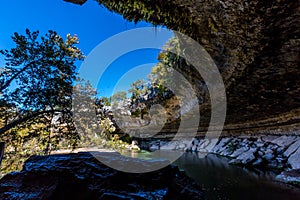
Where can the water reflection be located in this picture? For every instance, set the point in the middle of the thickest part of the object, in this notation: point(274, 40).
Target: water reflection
point(223, 181)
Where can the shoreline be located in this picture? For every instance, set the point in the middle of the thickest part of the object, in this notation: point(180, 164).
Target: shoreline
point(276, 153)
point(265, 152)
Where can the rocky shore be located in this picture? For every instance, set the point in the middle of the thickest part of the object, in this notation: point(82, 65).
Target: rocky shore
point(82, 176)
point(280, 153)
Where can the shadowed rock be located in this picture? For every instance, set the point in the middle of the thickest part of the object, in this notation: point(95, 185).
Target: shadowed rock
point(80, 2)
point(255, 45)
point(82, 176)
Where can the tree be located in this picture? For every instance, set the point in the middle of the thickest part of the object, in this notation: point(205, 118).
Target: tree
point(169, 70)
point(105, 101)
point(118, 97)
point(161, 74)
point(36, 81)
point(84, 111)
point(137, 88)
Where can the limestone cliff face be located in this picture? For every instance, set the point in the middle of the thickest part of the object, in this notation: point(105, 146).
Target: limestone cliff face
point(255, 44)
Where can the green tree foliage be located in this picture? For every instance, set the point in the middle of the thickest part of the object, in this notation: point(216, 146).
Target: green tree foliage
point(105, 101)
point(161, 74)
point(163, 80)
point(37, 87)
point(118, 97)
point(84, 111)
point(43, 71)
point(35, 92)
point(137, 88)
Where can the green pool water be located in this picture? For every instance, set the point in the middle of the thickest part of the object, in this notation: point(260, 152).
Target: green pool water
point(223, 181)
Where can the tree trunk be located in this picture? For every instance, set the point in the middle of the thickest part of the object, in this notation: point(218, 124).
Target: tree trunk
point(24, 119)
point(2, 145)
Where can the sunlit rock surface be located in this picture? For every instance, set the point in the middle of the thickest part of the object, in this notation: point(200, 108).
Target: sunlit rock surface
point(267, 152)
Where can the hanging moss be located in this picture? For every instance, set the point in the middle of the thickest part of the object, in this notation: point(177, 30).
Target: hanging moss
point(162, 13)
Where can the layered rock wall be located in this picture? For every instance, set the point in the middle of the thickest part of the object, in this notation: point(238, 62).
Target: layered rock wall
point(255, 45)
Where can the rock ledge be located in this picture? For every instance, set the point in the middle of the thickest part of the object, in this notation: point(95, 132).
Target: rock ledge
point(81, 176)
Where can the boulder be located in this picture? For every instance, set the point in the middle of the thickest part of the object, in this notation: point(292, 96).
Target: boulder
point(268, 151)
point(259, 144)
point(269, 138)
point(239, 151)
point(201, 150)
point(257, 162)
point(82, 176)
point(280, 150)
point(268, 156)
point(204, 143)
point(181, 146)
point(221, 146)
point(195, 141)
point(294, 160)
point(169, 146)
point(226, 152)
point(154, 148)
point(194, 148)
point(291, 176)
point(284, 141)
point(292, 148)
point(260, 153)
point(247, 157)
point(280, 159)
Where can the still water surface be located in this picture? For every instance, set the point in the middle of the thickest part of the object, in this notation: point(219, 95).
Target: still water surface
point(222, 181)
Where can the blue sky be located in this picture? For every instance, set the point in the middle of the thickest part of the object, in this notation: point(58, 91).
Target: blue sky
point(92, 23)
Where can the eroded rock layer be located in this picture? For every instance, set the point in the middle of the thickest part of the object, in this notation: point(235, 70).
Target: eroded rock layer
point(255, 45)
